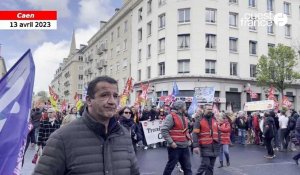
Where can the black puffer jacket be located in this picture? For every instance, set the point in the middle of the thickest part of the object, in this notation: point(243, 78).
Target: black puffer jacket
point(133, 128)
point(298, 128)
point(82, 147)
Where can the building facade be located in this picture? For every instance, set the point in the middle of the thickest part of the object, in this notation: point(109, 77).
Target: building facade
point(68, 79)
point(2, 67)
point(109, 50)
point(209, 44)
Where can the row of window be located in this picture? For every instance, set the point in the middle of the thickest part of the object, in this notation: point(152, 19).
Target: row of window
point(184, 14)
point(211, 18)
point(210, 13)
point(184, 67)
point(183, 42)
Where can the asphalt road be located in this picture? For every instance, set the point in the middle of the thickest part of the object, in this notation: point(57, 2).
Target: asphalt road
point(245, 160)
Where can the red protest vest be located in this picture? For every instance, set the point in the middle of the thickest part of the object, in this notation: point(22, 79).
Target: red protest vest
point(225, 133)
point(179, 133)
point(207, 135)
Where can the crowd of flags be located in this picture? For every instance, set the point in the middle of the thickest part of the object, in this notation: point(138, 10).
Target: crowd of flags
point(64, 105)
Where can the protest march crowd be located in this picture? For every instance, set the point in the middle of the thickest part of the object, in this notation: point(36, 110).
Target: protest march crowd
point(101, 138)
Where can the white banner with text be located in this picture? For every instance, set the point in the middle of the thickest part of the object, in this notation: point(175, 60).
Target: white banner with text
point(152, 131)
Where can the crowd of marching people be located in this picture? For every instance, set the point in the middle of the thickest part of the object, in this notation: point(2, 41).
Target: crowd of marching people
point(204, 132)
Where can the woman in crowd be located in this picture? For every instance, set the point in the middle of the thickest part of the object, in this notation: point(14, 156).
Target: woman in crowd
point(136, 117)
point(48, 125)
point(126, 119)
point(225, 130)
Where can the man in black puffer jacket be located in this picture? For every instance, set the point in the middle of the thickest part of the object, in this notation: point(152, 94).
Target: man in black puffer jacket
point(94, 144)
point(297, 157)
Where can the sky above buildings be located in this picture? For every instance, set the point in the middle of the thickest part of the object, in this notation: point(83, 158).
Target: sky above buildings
point(50, 47)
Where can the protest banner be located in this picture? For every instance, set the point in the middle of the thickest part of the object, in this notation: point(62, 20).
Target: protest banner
point(259, 105)
point(152, 131)
point(205, 94)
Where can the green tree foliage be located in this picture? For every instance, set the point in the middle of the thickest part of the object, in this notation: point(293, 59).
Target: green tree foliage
point(278, 68)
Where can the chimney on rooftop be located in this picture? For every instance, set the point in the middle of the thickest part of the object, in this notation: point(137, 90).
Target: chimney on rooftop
point(102, 23)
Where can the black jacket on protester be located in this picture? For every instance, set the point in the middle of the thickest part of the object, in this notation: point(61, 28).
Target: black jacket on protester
point(292, 121)
point(269, 128)
point(241, 123)
point(36, 117)
point(84, 147)
point(298, 129)
point(153, 115)
point(145, 115)
point(133, 128)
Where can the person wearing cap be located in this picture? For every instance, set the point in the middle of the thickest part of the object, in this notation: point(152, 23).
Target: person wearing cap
point(175, 132)
point(162, 114)
point(206, 140)
point(95, 143)
point(47, 127)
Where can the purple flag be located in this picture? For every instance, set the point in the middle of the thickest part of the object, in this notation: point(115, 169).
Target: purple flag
point(16, 89)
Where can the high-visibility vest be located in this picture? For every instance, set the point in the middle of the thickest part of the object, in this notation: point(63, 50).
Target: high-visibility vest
point(179, 132)
point(207, 135)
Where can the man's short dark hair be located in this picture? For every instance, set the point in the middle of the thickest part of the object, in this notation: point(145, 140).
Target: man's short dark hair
point(93, 83)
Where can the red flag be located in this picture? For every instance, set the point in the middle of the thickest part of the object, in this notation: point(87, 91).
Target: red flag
point(162, 98)
point(53, 94)
point(137, 102)
point(144, 94)
point(286, 103)
point(168, 99)
point(253, 94)
point(64, 105)
point(271, 96)
point(128, 87)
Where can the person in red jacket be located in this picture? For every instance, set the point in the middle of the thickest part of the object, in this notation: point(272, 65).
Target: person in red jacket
point(255, 124)
point(224, 131)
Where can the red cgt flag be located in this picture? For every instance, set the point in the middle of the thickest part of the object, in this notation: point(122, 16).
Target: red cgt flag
point(53, 94)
